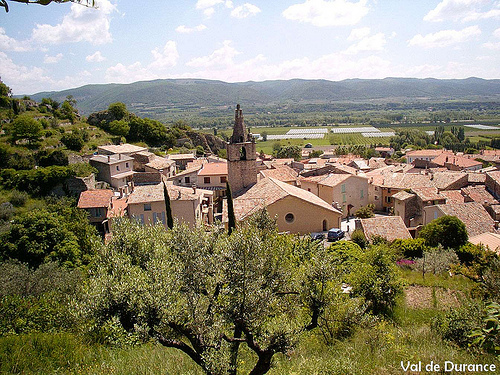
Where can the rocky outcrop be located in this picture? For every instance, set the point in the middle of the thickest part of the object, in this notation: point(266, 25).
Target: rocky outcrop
point(209, 142)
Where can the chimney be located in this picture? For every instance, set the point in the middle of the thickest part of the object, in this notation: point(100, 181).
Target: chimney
point(119, 156)
point(194, 188)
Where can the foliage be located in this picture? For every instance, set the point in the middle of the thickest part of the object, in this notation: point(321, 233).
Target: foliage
point(448, 231)
point(217, 292)
point(457, 324)
point(365, 212)
point(409, 248)
point(56, 157)
point(436, 260)
point(118, 110)
point(487, 335)
point(120, 128)
point(90, 3)
point(376, 279)
point(26, 128)
point(73, 141)
point(358, 237)
point(38, 181)
point(58, 233)
point(287, 152)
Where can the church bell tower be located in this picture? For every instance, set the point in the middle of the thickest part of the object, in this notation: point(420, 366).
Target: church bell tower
point(241, 156)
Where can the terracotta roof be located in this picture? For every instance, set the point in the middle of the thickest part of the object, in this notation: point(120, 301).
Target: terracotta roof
point(181, 193)
point(160, 163)
point(146, 194)
point(118, 207)
point(181, 156)
point(490, 240)
point(268, 191)
point(453, 196)
point(403, 195)
point(426, 153)
point(472, 214)
point(495, 176)
point(459, 161)
point(428, 194)
point(478, 178)
point(479, 194)
point(95, 198)
point(213, 169)
point(283, 173)
point(445, 180)
point(388, 227)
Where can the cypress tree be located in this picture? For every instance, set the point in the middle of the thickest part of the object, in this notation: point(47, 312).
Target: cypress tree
point(168, 208)
point(231, 225)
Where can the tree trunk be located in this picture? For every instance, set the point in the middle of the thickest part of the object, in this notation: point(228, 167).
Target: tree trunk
point(263, 365)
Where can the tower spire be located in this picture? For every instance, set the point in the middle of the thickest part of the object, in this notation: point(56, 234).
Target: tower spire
point(239, 129)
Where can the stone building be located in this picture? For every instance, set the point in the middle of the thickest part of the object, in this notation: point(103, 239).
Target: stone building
point(241, 156)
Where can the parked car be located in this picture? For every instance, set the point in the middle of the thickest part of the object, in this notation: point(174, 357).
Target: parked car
point(318, 236)
point(335, 234)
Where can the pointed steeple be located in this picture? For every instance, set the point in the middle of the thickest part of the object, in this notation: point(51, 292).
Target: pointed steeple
point(239, 130)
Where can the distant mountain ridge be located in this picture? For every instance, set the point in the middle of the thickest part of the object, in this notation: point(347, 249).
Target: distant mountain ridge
point(151, 96)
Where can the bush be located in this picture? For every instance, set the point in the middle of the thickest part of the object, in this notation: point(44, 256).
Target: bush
point(436, 260)
point(38, 181)
point(409, 248)
point(457, 324)
point(73, 141)
point(448, 231)
point(365, 212)
point(358, 237)
point(18, 198)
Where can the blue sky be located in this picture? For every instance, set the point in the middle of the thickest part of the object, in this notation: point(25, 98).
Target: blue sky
point(61, 46)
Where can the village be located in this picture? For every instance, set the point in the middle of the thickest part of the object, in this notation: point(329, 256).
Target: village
point(312, 195)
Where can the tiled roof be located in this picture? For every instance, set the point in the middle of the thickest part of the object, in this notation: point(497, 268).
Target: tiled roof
point(146, 194)
point(459, 161)
point(495, 176)
point(125, 148)
point(444, 180)
point(479, 194)
point(478, 178)
point(490, 240)
point(283, 173)
point(269, 190)
point(118, 207)
point(428, 194)
point(181, 193)
point(181, 156)
point(426, 153)
point(403, 195)
point(388, 227)
point(95, 198)
point(160, 163)
point(453, 196)
point(111, 159)
point(213, 169)
point(472, 214)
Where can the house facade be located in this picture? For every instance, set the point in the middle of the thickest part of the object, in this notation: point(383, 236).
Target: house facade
point(116, 169)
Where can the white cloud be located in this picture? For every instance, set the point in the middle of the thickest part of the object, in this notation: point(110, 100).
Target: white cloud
point(493, 45)
point(357, 34)
point(223, 57)
point(445, 38)
point(52, 59)
point(369, 43)
point(323, 13)
point(461, 10)
point(80, 24)
point(163, 58)
point(183, 29)
point(95, 57)
point(496, 33)
point(166, 57)
point(9, 44)
point(245, 10)
point(208, 12)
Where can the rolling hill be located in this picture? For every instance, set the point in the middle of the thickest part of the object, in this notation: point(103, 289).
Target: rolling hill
point(150, 97)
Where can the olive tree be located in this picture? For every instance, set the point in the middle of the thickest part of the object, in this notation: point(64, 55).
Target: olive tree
point(206, 293)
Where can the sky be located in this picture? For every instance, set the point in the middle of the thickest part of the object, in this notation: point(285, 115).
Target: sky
point(61, 46)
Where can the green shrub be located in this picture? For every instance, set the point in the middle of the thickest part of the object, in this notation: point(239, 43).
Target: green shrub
point(18, 198)
point(457, 324)
point(358, 237)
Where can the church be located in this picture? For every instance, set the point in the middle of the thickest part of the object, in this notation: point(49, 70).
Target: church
point(295, 210)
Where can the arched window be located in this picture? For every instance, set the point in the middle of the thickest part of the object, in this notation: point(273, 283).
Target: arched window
point(325, 225)
point(243, 153)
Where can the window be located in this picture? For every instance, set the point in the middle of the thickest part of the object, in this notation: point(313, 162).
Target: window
point(289, 218)
point(388, 199)
point(187, 180)
point(97, 212)
point(126, 165)
point(342, 187)
point(435, 215)
point(147, 206)
point(223, 179)
point(206, 180)
point(362, 194)
point(117, 167)
point(344, 198)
